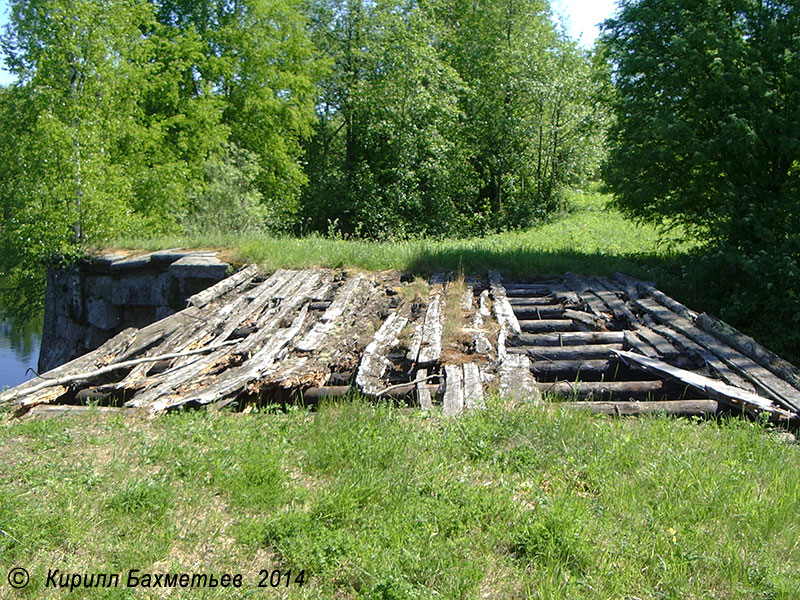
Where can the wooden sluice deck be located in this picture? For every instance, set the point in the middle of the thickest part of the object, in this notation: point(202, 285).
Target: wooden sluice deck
point(614, 345)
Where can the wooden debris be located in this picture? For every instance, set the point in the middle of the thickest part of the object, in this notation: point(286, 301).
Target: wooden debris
point(502, 308)
point(453, 402)
point(596, 322)
point(712, 387)
point(343, 299)
point(750, 348)
point(308, 334)
point(516, 380)
point(373, 362)
point(765, 381)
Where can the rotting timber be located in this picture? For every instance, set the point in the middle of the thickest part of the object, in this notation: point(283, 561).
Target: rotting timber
point(616, 346)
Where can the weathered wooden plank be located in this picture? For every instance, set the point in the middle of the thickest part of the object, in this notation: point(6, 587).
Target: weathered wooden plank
point(632, 285)
point(538, 312)
point(327, 322)
point(534, 301)
point(583, 288)
point(547, 325)
point(764, 381)
point(373, 362)
point(596, 322)
point(662, 346)
point(712, 387)
point(219, 289)
point(502, 309)
point(750, 348)
point(611, 390)
point(566, 352)
point(695, 350)
point(423, 393)
point(480, 342)
point(516, 380)
point(342, 348)
point(635, 342)
point(473, 388)
point(453, 402)
point(569, 338)
point(618, 308)
point(227, 372)
point(431, 347)
point(569, 369)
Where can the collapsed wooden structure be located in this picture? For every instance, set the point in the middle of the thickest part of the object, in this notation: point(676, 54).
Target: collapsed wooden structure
point(614, 345)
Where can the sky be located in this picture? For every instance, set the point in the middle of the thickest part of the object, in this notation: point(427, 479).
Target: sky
point(580, 18)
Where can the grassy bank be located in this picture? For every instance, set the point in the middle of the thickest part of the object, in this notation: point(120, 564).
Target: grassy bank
point(377, 503)
point(589, 238)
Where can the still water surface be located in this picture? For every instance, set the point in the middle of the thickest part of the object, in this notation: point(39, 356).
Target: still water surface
point(19, 350)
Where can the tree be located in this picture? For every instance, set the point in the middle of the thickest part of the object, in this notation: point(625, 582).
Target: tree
point(528, 102)
point(257, 59)
point(707, 105)
point(387, 157)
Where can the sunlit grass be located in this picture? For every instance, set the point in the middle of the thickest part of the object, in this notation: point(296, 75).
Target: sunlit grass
point(376, 502)
point(578, 240)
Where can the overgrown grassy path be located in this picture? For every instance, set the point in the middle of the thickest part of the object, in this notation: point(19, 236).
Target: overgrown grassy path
point(374, 502)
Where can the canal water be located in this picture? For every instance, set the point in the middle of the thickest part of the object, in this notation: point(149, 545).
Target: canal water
point(19, 350)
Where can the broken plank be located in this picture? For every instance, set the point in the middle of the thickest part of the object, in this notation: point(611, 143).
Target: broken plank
point(327, 322)
point(473, 388)
point(596, 322)
point(503, 311)
point(423, 393)
point(713, 387)
point(373, 362)
point(750, 348)
point(219, 289)
point(516, 380)
point(453, 402)
point(764, 381)
point(635, 342)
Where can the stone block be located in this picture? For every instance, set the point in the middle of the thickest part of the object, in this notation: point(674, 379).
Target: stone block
point(101, 313)
point(147, 289)
point(199, 267)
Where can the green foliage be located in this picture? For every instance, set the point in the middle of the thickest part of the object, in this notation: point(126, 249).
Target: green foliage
point(428, 125)
point(708, 118)
point(229, 201)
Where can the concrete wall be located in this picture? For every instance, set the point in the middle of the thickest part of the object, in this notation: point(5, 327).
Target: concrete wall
point(90, 302)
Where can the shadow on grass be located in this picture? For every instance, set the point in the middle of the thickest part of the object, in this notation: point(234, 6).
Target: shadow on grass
point(759, 303)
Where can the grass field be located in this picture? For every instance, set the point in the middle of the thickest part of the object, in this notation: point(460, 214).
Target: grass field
point(379, 503)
